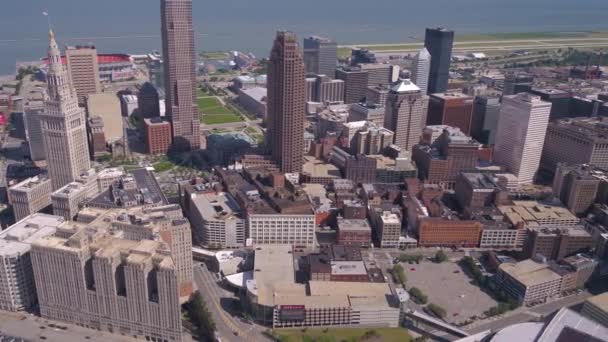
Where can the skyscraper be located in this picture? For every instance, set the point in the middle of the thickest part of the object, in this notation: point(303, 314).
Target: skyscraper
point(421, 69)
point(286, 102)
point(320, 56)
point(84, 70)
point(180, 73)
point(438, 42)
point(406, 108)
point(522, 126)
point(63, 124)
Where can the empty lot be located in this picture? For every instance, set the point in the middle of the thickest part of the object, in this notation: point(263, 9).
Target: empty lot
point(447, 285)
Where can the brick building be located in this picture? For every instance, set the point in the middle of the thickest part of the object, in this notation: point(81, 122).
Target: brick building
point(451, 109)
point(440, 161)
point(436, 231)
point(354, 232)
point(157, 135)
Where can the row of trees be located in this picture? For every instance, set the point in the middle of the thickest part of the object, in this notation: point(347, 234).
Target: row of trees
point(410, 258)
point(201, 318)
point(505, 303)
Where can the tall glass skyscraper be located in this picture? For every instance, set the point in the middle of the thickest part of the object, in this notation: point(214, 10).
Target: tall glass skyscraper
point(439, 41)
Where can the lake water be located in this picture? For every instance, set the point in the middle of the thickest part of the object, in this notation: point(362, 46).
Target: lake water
point(133, 26)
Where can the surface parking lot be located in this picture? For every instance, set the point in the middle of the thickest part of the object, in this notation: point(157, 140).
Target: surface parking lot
point(448, 286)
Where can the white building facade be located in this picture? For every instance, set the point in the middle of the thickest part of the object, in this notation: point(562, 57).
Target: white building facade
point(520, 137)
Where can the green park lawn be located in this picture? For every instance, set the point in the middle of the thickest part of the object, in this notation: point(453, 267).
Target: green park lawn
point(339, 335)
point(213, 112)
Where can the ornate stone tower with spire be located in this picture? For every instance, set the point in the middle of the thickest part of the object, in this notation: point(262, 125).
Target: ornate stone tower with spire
point(63, 124)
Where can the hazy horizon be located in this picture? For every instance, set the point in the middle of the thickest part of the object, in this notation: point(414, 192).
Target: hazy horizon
point(133, 26)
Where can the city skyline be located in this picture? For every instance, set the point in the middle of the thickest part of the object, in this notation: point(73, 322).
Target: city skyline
point(222, 196)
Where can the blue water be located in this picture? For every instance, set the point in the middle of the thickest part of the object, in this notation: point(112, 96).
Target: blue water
point(133, 26)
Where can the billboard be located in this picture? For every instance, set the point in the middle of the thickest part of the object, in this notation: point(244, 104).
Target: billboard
point(292, 313)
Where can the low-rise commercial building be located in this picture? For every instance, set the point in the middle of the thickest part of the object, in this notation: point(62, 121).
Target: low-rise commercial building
point(479, 190)
point(387, 228)
point(528, 281)
point(533, 213)
point(254, 100)
point(354, 232)
point(438, 231)
point(30, 196)
point(278, 300)
point(556, 242)
point(17, 287)
point(67, 200)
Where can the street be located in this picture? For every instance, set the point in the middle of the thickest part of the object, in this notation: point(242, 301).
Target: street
point(217, 299)
point(524, 314)
point(34, 328)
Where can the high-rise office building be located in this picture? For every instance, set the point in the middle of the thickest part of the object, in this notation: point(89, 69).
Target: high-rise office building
point(33, 132)
point(575, 141)
point(576, 186)
point(516, 83)
point(63, 124)
point(522, 127)
point(559, 99)
point(84, 70)
point(355, 83)
point(406, 108)
point(148, 100)
point(451, 109)
point(485, 119)
point(320, 56)
point(180, 73)
point(438, 42)
point(286, 103)
point(421, 69)
point(102, 281)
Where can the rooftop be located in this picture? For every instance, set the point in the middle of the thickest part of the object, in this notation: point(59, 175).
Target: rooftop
point(30, 183)
point(530, 272)
point(534, 213)
point(570, 323)
point(216, 206)
point(318, 168)
point(257, 93)
point(17, 238)
point(405, 86)
point(599, 301)
point(354, 225)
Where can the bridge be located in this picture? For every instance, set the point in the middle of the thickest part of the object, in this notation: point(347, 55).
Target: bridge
point(435, 323)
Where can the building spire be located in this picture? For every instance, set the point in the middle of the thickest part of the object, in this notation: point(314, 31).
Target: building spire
point(57, 78)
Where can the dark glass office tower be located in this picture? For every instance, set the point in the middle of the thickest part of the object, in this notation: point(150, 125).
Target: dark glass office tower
point(439, 41)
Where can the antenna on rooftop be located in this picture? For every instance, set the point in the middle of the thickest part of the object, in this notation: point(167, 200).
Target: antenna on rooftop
point(48, 18)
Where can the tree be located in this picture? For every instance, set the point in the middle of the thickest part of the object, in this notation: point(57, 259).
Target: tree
point(201, 317)
point(399, 274)
point(437, 310)
point(440, 256)
point(418, 295)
